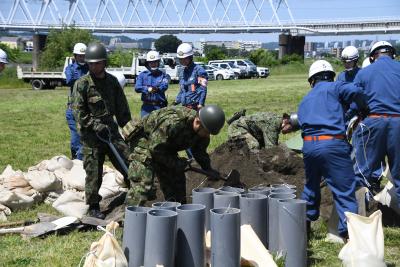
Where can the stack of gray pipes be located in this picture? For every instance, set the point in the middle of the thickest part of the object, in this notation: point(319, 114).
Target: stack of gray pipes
point(171, 234)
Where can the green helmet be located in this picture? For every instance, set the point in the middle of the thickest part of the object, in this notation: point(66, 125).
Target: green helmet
point(95, 52)
point(212, 118)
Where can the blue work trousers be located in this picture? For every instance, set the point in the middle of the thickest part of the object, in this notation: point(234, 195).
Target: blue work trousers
point(146, 109)
point(379, 138)
point(329, 159)
point(76, 146)
point(360, 163)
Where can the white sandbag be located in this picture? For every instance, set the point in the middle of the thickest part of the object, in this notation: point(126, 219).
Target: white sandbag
point(52, 196)
point(16, 180)
point(43, 181)
point(73, 179)
point(388, 197)
point(8, 171)
point(118, 176)
point(110, 187)
point(71, 203)
point(4, 212)
point(366, 242)
point(106, 252)
point(15, 200)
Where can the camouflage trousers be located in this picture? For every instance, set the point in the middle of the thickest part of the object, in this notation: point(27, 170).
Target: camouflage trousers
point(257, 130)
point(142, 174)
point(93, 160)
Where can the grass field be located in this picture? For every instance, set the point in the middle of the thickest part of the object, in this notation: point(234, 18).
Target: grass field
point(33, 128)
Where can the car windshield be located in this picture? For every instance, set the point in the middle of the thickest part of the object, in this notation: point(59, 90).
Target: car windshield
point(249, 62)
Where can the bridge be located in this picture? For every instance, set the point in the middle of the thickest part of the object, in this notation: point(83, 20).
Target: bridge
point(179, 16)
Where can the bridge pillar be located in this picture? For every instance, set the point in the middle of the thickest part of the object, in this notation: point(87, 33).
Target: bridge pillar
point(39, 42)
point(289, 44)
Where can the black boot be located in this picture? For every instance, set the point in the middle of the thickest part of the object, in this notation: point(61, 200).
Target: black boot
point(94, 211)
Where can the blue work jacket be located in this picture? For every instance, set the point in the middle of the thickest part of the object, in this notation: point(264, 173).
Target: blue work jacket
point(381, 84)
point(157, 79)
point(191, 91)
point(322, 111)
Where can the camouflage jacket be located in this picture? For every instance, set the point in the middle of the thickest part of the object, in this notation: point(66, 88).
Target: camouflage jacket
point(98, 101)
point(164, 133)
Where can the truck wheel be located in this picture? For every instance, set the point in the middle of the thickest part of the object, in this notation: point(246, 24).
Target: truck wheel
point(219, 77)
point(37, 84)
point(236, 76)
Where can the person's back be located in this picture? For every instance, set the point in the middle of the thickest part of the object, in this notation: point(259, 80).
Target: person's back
point(381, 83)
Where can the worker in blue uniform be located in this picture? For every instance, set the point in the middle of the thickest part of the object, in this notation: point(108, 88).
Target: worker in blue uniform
point(73, 72)
point(349, 58)
point(380, 131)
point(193, 80)
point(326, 152)
point(152, 84)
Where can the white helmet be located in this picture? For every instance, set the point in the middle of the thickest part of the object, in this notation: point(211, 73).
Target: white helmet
point(3, 57)
point(120, 77)
point(349, 53)
point(383, 46)
point(320, 66)
point(152, 56)
point(184, 50)
point(79, 49)
point(366, 63)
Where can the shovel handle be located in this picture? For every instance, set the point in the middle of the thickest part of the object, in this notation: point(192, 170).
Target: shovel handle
point(114, 151)
point(201, 171)
point(15, 230)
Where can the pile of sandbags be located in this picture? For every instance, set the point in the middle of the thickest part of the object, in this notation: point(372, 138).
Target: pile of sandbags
point(58, 181)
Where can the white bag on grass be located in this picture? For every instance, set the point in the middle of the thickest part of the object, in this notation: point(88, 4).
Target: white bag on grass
point(71, 203)
point(43, 181)
point(106, 252)
point(14, 200)
point(109, 186)
point(366, 242)
point(4, 212)
point(388, 197)
point(74, 178)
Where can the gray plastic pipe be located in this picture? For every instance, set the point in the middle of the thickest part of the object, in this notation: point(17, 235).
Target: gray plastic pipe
point(134, 235)
point(273, 219)
point(160, 238)
point(283, 186)
point(253, 211)
point(224, 199)
point(166, 205)
point(232, 189)
point(225, 237)
point(190, 245)
point(204, 196)
point(265, 190)
point(283, 190)
point(293, 232)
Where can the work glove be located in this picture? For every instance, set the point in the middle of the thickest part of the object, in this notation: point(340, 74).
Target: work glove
point(214, 175)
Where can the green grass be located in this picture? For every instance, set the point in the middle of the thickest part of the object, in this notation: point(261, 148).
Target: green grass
point(33, 128)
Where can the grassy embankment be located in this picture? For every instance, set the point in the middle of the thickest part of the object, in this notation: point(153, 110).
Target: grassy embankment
point(33, 128)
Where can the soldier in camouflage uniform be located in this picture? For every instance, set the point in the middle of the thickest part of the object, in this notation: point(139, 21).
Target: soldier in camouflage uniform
point(258, 130)
point(155, 142)
point(97, 98)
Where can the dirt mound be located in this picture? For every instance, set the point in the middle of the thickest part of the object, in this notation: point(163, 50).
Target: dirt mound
point(266, 166)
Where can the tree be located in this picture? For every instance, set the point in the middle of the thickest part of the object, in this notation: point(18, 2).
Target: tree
point(167, 44)
point(214, 52)
point(60, 45)
point(263, 57)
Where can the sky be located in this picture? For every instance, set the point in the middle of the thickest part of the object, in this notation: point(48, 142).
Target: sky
point(301, 10)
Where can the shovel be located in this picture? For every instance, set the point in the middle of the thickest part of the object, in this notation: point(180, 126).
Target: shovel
point(232, 178)
point(38, 229)
point(114, 151)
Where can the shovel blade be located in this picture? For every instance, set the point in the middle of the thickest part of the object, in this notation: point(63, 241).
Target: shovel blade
point(233, 179)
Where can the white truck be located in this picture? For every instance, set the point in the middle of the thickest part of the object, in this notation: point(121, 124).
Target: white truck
point(44, 79)
point(49, 80)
